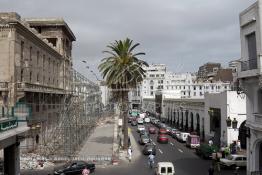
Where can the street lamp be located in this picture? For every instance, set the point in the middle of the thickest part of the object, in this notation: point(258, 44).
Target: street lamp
point(229, 122)
point(234, 123)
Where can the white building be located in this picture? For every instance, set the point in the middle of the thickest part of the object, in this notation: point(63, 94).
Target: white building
point(208, 116)
point(218, 107)
point(250, 81)
point(157, 78)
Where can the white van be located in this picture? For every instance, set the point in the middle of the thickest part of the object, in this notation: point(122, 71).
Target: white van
point(165, 168)
point(183, 136)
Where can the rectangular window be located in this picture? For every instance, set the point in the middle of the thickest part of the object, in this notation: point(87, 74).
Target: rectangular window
point(169, 170)
point(30, 53)
point(252, 50)
point(194, 87)
point(37, 58)
point(44, 62)
point(163, 169)
point(22, 49)
point(151, 87)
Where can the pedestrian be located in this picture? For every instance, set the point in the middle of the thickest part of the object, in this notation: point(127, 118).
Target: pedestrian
point(211, 170)
point(129, 152)
point(129, 142)
point(85, 171)
point(239, 145)
point(210, 142)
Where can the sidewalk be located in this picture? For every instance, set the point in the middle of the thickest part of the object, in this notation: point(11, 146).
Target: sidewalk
point(99, 146)
point(123, 157)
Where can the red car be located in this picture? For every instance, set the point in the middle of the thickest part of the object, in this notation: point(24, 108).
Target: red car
point(152, 130)
point(162, 138)
point(162, 131)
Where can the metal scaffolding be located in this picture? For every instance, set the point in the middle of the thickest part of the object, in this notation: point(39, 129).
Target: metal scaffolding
point(78, 115)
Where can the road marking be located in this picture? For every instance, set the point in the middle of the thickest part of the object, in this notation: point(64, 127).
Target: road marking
point(180, 150)
point(171, 143)
point(153, 143)
point(160, 151)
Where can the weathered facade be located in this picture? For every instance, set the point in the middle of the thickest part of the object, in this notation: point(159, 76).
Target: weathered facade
point(249, 81)
point(35, 69)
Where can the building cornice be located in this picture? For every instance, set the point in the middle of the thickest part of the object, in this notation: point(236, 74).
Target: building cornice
point(32, 36)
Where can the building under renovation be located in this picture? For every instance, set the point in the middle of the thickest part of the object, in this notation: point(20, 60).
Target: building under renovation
point(38, 86)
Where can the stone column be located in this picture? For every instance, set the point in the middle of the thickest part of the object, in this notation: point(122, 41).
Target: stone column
point(12, 160)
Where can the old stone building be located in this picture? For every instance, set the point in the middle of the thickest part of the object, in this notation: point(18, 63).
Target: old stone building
point(35, 69)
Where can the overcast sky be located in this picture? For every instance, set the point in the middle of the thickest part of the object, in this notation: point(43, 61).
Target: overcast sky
point(183, 34)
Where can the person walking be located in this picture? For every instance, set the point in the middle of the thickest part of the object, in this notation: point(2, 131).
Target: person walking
point(129, 152)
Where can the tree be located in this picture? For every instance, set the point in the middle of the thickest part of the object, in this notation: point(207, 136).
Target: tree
point(122, 71)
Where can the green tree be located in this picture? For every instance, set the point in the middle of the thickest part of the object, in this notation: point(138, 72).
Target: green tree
point(122, 71)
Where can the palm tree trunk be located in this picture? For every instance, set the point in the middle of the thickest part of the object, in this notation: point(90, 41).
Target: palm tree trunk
point(125, 124)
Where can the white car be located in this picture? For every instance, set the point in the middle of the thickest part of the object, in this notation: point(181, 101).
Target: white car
point(234, 160)
point(140, 128)
point(147, 120)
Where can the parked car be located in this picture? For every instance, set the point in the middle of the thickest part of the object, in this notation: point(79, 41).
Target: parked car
point(162, 138)
point(205, 151)
point(75, 167)
point(152, 130)
point(193, 141)
point(140, 128)
point(162, 131)
point(165, 168)
point(149, 148)
point(133, 123)
point(144, 139)
point(183, 136)
point(233, 161)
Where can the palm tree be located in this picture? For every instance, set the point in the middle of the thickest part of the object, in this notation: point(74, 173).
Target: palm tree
point(122, 71)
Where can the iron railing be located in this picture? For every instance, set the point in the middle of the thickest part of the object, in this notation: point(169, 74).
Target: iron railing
point(249, 64)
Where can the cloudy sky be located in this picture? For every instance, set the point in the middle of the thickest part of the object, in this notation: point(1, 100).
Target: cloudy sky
point(183, 34)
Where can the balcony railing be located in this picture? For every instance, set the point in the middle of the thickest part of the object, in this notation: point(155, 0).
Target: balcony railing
point(249, 64)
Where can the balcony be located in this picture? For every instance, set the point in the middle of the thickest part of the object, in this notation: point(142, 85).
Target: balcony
point(249, 65)
point(39, 88)
point(249, 68)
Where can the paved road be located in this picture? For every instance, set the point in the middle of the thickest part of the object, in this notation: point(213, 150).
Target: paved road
point(185, 160)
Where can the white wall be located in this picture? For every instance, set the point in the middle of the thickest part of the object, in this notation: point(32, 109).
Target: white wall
point(231, 104)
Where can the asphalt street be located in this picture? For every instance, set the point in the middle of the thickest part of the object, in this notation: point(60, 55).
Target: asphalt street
point(185, 160)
